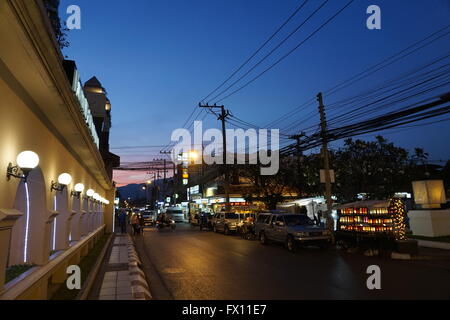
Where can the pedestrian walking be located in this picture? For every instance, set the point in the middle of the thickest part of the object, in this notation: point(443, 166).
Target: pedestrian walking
point(135, 224)
point(123, 222)
point(141, 223)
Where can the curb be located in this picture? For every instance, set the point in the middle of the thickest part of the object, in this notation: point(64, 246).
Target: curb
point(407, 256)
point(139, 286)
point(434, 244)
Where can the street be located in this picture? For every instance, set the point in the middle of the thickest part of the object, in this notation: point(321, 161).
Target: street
point(207, 266)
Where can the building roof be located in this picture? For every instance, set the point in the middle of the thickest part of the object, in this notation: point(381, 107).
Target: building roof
point(93, 83)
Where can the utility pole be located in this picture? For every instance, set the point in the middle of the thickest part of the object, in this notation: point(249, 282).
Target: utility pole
point(222, 117)
point(299, 150)
point(326, 161)
point(165, 181)
point(174, 191)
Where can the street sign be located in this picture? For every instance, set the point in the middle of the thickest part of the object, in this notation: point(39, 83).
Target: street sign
point(322, 176)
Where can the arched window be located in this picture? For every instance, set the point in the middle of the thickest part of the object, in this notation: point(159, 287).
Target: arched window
point(84, 217)
point(90, 216)
point(75, 223)
point(29, 239)
point(60, 227)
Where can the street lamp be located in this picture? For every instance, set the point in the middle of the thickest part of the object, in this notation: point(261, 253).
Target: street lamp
point(90, 193)
point(26, 161)
point(193, 155)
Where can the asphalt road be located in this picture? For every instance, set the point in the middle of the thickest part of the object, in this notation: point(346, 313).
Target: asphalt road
point(191, 265)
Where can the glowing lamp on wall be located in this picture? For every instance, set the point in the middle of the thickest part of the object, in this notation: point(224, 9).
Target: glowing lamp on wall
point(108, 106)
point(429, 194)
point(90, 193)
point(64, 180)
point(26, 161)
point(77, 190)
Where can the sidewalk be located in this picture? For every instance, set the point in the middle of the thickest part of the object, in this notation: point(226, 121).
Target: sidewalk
point(428, 250)
point(434, 244)
point(121, 277)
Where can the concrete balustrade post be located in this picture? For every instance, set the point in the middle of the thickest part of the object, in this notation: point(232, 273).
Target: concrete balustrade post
point(108, 211)
point(7, 219)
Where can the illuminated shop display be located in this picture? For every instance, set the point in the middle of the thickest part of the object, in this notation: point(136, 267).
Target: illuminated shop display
point(373, 217)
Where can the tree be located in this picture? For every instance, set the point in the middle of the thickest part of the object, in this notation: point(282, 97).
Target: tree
point(377, 168)
point(269, 189)
point(60, 31)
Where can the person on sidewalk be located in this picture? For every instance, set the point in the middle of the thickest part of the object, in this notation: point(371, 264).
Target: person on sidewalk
point(135, 224)
point(141, 224)
point(123, 222)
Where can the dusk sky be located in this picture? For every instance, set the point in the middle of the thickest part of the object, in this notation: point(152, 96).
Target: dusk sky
point(157, 59)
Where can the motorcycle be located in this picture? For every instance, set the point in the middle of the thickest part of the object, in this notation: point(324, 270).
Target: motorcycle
point(166, 224)
point(204, 225)
point(247, 230)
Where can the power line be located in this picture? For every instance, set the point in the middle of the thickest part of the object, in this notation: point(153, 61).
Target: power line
point(289, 53)
point(340, 85)
point(394, 84)
point(272, 51)
point(258, 50)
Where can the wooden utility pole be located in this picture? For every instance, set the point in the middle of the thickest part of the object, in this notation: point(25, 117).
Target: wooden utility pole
point(299, 150)
point(173, 177)
point(223, 117)
point(326, 161)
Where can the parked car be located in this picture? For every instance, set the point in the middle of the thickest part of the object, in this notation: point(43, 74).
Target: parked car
point(293, 230)
point(226, 222)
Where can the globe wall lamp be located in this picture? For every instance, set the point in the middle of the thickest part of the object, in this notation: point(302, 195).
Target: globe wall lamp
point(77, 190)
point(90, 193)
point(26, 161)
point(104, 201)
point(64, 180)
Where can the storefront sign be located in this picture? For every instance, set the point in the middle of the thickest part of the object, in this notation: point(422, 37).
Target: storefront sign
point(194, 190)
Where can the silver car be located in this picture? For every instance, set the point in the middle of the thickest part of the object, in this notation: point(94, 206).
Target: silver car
point(226, 222)
point(292, 230)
